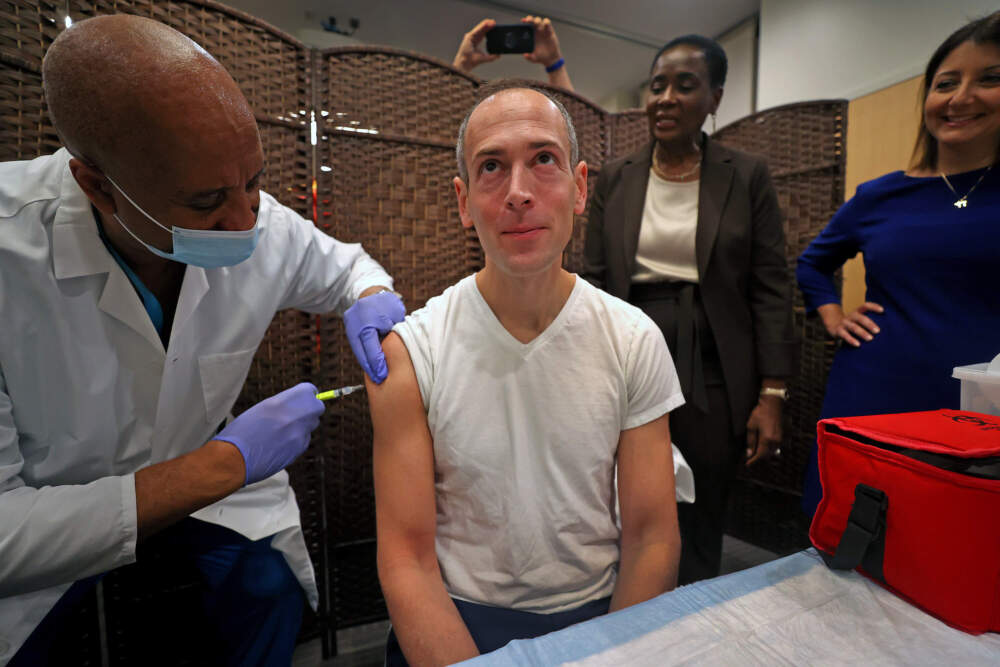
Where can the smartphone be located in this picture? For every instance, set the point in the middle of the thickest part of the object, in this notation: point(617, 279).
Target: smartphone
point(517, 38)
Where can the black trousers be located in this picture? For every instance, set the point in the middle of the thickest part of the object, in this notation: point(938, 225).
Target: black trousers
point(705, 434)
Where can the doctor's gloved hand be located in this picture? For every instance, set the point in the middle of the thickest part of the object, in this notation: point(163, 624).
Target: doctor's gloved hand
point(369, 318)
point(273, 433)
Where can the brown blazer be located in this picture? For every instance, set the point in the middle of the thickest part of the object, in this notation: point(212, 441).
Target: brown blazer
point(744, 282)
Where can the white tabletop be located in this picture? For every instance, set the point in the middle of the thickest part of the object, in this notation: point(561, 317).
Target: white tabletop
point(792, 611)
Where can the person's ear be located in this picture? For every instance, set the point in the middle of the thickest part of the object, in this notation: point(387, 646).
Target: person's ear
point(94, 184)
point(716, 98)
point(580, 179)
point(462, 193)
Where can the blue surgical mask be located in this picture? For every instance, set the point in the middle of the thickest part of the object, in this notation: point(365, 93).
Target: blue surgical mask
point(206, 248)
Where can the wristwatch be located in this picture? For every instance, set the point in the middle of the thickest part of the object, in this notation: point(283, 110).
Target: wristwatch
point(774, 391)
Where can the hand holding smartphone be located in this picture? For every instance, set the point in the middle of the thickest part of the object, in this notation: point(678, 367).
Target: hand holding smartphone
point(516, 38)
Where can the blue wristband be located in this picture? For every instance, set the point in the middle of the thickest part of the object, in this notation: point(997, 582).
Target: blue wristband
point(556, 65)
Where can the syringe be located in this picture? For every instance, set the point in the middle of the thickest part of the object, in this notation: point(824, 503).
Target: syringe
point(337, 393)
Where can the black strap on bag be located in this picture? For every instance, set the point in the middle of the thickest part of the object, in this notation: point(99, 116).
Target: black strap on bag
point(863, 540)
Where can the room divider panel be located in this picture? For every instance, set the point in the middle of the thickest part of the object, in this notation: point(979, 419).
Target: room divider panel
point(380, 173)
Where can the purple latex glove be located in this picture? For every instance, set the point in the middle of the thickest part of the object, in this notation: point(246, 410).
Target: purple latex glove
point(272, 434)
point(365, 321)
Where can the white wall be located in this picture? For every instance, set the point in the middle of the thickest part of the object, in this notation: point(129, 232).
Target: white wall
point(598, 64)
point(605, 69)
point(822, 49)
point(740, 45)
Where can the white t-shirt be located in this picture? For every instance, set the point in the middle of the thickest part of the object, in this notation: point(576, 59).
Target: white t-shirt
point(525, 439)
point(667, 232)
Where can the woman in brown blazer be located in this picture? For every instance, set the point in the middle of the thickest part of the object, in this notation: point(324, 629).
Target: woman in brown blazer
point(690, 231)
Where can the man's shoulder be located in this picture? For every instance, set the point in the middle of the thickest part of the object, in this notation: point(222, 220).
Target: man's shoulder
point(31, 196)
point(436, 312)
point(618, 326)
point(283, 237)
point(24, 182)
point(429, 333)
point(619, 313)
point(276, 216)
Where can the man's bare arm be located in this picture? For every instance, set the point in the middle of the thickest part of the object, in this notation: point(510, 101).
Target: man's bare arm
point(272, 434)
point(650, 542)
point(167, 492)
point(261, 441)
point(429, 627)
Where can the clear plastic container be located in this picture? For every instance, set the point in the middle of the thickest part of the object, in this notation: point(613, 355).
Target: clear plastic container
point(980, 388)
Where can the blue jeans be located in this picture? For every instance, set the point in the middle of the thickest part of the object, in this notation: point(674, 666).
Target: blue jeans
point(252, 603)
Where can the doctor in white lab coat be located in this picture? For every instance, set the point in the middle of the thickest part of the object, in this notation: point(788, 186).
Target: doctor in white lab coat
point(125, 337)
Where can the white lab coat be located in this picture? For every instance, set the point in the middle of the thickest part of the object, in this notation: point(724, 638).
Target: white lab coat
point(89, 395)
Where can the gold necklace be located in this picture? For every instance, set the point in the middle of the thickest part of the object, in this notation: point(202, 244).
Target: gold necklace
point(676, 177)
point(962, 202)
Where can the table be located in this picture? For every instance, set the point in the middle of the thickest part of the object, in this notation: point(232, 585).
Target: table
point(791, 611)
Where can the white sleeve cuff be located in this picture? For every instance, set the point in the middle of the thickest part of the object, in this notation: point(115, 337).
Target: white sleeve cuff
point(129, 521)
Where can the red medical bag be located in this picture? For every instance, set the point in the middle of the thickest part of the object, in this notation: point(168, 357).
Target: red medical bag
point(913, 501)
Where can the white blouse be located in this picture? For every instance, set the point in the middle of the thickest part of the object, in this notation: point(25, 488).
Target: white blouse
point(667, 232)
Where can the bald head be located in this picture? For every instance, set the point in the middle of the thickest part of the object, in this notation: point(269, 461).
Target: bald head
point(121, 88)
point(504, 88)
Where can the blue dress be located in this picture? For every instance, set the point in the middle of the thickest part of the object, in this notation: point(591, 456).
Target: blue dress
point(935, 269)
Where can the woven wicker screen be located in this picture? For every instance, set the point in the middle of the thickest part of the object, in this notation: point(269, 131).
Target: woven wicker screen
point(26, 30)
point(629, 131)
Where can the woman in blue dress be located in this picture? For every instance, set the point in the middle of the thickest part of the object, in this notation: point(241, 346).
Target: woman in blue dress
point(930, 237)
